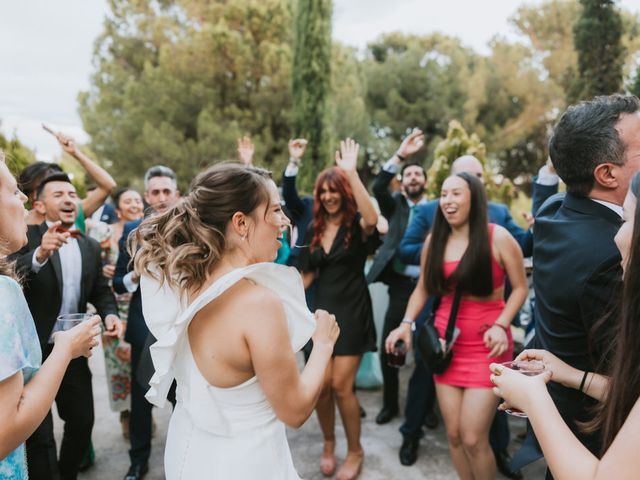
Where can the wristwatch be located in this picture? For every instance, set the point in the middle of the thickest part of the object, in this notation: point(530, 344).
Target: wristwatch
point(410, 322)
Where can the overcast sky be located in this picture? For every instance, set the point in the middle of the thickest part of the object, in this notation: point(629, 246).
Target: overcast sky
point(46, 49)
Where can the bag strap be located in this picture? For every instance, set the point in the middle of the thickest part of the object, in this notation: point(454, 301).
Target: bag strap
point(452, 316)
point(435, 304)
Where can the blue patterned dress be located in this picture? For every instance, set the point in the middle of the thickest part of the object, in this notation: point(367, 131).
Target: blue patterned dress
point(19, 350)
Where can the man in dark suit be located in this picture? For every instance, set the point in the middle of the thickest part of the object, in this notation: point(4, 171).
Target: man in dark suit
point(397, 208)
point(421, 390)
point(595, 149)
point(160, 193)
point(299, 208)
point(63, 272)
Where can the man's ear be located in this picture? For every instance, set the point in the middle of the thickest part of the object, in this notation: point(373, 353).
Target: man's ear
point(38, 206)
point(605, 176)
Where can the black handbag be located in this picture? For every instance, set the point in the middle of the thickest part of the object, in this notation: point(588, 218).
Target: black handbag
point(428, 343)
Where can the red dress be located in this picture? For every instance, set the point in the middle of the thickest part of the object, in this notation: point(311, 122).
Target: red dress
point(470, 365)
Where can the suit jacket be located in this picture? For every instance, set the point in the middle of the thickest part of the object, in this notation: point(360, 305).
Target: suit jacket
point(396, 210)
point(43, 290)
point(301, 211)
point(137, 330)
point(411, 244)
point(576, 276)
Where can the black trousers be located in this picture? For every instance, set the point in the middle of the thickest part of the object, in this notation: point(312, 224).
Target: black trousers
point(75, 407)
point(140, 419)
point(140, 416)
point(400, 288)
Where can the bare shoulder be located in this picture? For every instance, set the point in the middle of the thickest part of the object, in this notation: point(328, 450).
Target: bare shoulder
point(256, 301)
point(502, 238)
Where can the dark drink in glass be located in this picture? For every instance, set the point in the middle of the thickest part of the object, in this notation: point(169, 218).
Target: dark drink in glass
point(530, 368)
point(397, 358)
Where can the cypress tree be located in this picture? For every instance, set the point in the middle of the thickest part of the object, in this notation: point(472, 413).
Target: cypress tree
point(311, 76)
point(635, 86)
point(597, 36)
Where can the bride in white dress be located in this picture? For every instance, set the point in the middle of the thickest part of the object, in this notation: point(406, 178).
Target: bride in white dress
point(228, 323)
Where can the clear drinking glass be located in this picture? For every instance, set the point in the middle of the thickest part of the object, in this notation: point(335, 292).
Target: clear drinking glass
point(69, 320)
point(530, 368)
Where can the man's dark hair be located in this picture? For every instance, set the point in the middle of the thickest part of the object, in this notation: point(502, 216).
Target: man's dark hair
point(31, 176)
point(413, 164)
point(586, 137)
point(54, 177)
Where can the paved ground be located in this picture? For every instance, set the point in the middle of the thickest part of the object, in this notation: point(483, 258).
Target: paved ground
point(381, 443)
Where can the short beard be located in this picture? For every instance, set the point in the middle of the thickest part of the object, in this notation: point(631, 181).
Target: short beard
point(415, 194)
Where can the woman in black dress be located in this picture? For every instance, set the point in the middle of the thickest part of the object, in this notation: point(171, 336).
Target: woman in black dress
point(341, 236)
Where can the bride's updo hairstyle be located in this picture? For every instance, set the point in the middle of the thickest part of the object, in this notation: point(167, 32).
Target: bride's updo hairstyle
point(182, 245)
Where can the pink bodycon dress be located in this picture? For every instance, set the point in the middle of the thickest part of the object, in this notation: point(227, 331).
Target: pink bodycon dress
point(470, 365)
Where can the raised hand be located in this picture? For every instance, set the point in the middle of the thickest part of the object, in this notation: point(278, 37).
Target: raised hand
point(550, 166)
point(347, 157)
point(246, 149)
point(51, 241)
point(67, 143)
point(297, 146)
point(412, 143)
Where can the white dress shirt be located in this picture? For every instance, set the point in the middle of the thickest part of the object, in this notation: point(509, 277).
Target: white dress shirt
point(71, 264)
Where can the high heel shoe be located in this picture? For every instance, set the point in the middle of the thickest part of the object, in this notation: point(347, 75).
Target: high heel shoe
point(328, 459)
point(352, 466)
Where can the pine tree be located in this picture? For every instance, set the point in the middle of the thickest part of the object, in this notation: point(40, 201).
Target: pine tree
point(597, 36)
point(311, 77)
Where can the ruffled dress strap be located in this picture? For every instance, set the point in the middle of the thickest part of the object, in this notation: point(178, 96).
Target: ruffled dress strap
point(168, 317)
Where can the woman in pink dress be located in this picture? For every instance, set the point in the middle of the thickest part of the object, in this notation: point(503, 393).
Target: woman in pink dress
point(465, 253)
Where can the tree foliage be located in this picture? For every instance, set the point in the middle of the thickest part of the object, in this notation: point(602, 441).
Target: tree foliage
point(456, 144)
point(17, 155)
point(597, 36)
point(176, 83)
point(311, 82)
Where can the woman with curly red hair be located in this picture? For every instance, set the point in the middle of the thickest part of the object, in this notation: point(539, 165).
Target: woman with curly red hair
point(339, 240)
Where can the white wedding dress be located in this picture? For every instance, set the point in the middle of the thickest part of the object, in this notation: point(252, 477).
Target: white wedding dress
point(220, 433)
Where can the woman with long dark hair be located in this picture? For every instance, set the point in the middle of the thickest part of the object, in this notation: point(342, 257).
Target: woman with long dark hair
point(339, 240)
point(618, 416)
point(467, 255)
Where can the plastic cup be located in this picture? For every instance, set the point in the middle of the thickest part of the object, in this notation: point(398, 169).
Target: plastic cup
point(69, 320)
point(530, 368)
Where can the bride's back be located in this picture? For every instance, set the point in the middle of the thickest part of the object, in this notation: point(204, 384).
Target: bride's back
point(218, 333)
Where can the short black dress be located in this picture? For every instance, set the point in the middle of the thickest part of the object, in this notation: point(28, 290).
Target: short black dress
point(341, 287)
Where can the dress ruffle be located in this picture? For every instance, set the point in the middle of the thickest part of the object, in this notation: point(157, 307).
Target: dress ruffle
point(168, 316)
